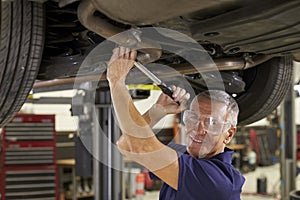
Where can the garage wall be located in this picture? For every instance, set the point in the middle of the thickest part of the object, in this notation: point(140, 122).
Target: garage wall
point(63, 119)
point(297, 111)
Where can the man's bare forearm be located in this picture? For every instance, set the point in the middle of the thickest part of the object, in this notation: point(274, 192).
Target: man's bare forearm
point(130, 120)
point(154, 115)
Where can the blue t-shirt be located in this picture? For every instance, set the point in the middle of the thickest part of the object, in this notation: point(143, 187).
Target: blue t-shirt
point(207, 179)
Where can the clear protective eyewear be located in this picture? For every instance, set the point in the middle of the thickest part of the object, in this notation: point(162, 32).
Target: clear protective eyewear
point(211, 125)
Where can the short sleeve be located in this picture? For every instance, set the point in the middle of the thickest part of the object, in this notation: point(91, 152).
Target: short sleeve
point(180, 149)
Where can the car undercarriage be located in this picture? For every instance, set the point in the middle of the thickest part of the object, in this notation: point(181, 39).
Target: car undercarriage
point(252, 44)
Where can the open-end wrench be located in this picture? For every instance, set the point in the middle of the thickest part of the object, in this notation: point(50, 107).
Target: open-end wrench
point(165, 89)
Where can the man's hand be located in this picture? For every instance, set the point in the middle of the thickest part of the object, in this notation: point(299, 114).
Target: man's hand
point(169, 105)
point(120, 64)
point(165, 105)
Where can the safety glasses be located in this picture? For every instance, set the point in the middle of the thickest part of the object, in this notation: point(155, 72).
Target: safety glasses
point(208, 123)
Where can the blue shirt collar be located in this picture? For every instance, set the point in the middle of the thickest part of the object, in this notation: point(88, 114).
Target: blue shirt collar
point(225, 156)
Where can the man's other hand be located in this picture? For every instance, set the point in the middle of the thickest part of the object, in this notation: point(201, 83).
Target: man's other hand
point(169, 105)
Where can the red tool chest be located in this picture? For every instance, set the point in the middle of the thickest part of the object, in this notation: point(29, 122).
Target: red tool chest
point(28, 154)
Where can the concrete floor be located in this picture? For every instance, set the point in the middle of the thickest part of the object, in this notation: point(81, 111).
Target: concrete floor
point(272, 173)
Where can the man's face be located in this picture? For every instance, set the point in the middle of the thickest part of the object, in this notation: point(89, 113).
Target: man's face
point(205, 125)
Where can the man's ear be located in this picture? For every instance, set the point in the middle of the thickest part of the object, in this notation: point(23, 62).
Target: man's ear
point(229, 135)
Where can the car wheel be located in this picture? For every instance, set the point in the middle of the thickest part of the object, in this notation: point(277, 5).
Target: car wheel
point(266, 86)
point(21, 46)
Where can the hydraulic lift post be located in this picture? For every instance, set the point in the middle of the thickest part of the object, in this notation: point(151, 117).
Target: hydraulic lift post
point(288, 145)
point(108, 163)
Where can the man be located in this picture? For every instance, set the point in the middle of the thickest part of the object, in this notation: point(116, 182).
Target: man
point(205, 170)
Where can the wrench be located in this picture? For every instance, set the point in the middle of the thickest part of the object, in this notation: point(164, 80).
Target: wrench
point(165, 89)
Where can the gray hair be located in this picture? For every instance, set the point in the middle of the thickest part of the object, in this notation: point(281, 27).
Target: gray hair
point(223, 97)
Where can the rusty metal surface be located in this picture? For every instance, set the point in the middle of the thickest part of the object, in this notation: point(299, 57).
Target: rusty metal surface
point(143, 12)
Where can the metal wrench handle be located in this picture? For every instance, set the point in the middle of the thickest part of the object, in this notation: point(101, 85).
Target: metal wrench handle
point(165, 89)
point(148, 73)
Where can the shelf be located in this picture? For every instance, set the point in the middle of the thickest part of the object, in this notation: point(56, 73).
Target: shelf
point(236, 146)
point(66, 162)
point(69, 178)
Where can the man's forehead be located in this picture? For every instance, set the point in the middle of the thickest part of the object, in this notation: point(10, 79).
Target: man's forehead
point(204, 105)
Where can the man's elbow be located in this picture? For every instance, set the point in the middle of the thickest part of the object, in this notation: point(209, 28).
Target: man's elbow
point(122, 145)
point(128, 148)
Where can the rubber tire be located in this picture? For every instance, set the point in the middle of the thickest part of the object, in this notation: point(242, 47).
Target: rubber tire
point(21, 48)
point(270, 82)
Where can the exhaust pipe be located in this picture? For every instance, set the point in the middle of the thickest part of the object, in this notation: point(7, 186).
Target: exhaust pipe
point(86, 11)
point(219, 64)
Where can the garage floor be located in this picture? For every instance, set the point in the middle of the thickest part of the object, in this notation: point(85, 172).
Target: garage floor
point(272, 174)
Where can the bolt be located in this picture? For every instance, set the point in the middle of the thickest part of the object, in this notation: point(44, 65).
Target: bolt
point(234, 50)
point(211, 34)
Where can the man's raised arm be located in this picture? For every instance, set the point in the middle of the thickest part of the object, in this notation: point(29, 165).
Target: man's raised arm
point(138, 141)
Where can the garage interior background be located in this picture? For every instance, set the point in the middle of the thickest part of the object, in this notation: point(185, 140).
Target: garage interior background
point(67, 125)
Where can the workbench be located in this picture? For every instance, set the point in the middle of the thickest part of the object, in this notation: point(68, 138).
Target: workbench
point(63, 164)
